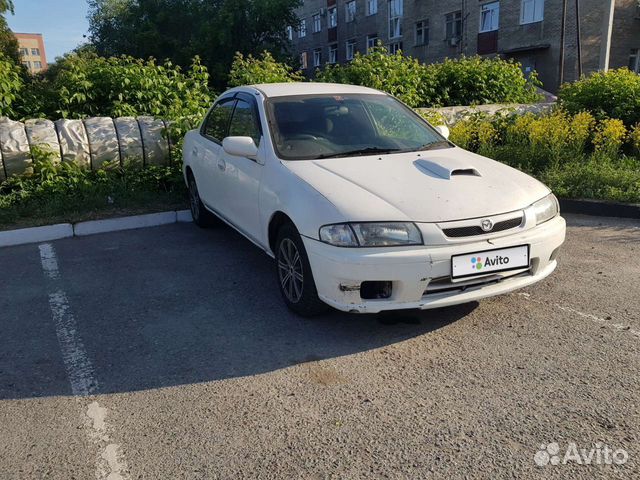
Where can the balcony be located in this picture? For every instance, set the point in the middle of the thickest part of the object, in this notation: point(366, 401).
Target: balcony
point(488, 42)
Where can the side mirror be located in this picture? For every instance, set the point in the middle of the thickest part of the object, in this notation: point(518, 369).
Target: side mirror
point(443, 130)
point(240, 147)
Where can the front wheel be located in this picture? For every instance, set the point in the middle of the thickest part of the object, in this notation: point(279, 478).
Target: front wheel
point(294, 274)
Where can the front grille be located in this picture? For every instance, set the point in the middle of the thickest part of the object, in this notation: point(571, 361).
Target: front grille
point(475, 230)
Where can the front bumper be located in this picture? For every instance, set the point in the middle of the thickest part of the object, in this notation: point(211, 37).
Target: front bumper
point(419, 275)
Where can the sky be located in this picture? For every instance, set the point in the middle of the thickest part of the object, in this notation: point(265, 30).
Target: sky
point(61, 22)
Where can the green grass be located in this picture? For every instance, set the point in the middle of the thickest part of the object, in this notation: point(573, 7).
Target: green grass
point(72, 195)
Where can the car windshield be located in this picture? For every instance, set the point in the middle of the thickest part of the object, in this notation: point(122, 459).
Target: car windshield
point(313, 127)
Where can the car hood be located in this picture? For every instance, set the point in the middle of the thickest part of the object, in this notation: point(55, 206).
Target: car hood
point(430, 186)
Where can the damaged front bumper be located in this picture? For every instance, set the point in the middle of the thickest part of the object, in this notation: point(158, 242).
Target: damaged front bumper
point(420, 276)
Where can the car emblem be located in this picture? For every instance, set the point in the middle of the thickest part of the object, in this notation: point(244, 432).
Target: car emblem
point(487, 225)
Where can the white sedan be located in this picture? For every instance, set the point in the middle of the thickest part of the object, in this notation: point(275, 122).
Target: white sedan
point(364, 205)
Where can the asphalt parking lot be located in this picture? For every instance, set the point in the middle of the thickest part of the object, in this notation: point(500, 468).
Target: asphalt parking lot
point(167, 353)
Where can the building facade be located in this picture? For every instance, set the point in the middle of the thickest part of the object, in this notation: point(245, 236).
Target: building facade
point(32, 51)
point(529, 31)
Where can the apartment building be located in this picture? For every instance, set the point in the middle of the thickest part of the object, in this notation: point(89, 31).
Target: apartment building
point(32, 51)
point(530, 31)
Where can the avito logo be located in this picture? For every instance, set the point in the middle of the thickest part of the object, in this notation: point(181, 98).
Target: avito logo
point(478, 264)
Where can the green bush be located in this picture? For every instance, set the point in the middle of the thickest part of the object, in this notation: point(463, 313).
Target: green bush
point(83, 84)
point(401, 76)
point(612, 94)
point(463, 81)
point(250, 71)
point(67, 192)
point(10, 85)
point(477, 80)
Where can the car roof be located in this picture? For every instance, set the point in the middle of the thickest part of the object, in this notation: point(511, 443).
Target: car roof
point(270, 90)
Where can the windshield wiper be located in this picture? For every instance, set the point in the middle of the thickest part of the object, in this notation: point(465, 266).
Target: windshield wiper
point(360, 151)
point(434, 145)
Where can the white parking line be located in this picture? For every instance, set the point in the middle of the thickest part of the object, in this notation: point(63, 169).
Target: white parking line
point(109, 462)
point(588, 316)
point(79, 368)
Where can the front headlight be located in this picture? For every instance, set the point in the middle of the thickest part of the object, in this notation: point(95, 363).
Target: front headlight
point(546, 209)
point(371, 234)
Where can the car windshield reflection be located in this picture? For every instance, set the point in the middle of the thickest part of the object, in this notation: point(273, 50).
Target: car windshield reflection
point(338, 126)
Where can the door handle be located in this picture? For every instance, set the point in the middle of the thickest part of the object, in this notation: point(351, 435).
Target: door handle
point(222, 165)
point(194, 151)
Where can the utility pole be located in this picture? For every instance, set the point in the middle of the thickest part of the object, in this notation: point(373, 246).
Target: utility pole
point(563, 29)
point(607, 31)
point(579, 38)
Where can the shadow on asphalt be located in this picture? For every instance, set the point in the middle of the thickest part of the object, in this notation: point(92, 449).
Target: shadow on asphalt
point(176, 305)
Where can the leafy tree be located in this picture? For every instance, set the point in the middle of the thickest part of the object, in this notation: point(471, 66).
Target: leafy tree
point(180, 29)
point(8, 41)
point(250, 70)
point(10, 85)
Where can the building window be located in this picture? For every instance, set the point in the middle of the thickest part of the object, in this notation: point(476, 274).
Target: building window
point(372, 42)
point(453, 25)
point(290, 33)
point(317, 57)
point(302, 29)
point(350, 9)
point(395, 47)
point(37, 65)
point(634, 60)
point(372, 7)
point(333, 53)
point(304, 61)
point(26, 63)
point(422, 32)
point(351, 50)
point(489, 17)
point(317, 23)
point(333, 17)
point(531, 11)
point(24, 52)
point(395, 18)
point(35, 52)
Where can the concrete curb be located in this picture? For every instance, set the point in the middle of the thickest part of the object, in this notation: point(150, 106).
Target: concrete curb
point(48, 233)
point(600, 208)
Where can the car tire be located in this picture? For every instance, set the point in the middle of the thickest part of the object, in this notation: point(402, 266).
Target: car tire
point(294, 275)
point(201, 216)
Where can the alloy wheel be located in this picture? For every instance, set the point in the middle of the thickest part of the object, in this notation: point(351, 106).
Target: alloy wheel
point(290, 270)
point(194, 199)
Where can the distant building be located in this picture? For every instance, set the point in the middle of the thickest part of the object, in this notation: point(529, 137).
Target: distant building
point(32, 51)
point(529, 31)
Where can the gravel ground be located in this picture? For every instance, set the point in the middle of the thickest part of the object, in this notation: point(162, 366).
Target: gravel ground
point(194, 369)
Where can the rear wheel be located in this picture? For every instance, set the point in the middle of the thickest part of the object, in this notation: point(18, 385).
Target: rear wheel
point(201, 216)
point(294, 274)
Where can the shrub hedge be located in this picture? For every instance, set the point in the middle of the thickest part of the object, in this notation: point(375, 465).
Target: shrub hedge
point(463, 81)
point(612, 94)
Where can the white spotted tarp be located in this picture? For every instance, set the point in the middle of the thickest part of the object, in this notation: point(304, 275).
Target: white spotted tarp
point(42, 133)
point(154, 141)
point(74, 142)
point(130, 139)
point(103, 141)
point(16, 154)
point(90, 143)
